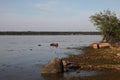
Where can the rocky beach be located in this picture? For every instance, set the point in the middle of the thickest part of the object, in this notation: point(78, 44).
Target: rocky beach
point(97, 59)
point(104, 60)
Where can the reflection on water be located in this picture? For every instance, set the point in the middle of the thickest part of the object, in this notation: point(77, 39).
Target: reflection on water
point(22, 57)
point(69, 75)
point(81, 73)
point(53, 76)
point(84, 75)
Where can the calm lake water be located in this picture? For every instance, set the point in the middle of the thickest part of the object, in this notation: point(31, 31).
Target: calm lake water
point(22, 59)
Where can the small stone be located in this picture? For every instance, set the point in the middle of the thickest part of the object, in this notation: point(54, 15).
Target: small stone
point(94, 45)
point(78, 71)
point(39, 45)
point(118, 54)
point(54, 44)
point(30, 49)
point(65, 63)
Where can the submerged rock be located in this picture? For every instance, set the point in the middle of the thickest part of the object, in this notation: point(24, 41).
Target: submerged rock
point(54, 44)
point(54, 66)
point(39, 45)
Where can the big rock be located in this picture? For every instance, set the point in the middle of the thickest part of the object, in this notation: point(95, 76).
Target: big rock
point(54, 66)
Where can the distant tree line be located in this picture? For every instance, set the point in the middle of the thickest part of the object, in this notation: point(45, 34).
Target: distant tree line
point(48, 33)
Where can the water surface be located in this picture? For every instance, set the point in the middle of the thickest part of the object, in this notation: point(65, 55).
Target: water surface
point(21, 57)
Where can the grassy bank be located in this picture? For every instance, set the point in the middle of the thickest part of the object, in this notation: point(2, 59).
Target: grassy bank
point(97, 59)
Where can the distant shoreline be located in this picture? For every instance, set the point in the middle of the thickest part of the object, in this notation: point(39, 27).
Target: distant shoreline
point(47, 33)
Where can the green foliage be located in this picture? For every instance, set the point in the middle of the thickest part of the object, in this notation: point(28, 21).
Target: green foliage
point(108, 24)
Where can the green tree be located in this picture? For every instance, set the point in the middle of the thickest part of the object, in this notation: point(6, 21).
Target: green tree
point(108, 24)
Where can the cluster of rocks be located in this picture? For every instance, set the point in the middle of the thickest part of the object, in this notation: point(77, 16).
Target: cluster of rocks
point(57, 65)
point(52, 44)
point(101, 45)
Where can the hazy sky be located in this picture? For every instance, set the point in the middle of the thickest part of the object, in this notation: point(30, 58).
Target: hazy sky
point(52, 15)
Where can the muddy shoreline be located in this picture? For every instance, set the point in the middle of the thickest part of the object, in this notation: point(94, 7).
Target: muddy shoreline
point(97, 59)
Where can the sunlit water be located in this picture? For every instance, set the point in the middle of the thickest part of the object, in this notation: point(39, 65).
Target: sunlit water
point(22, 59)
